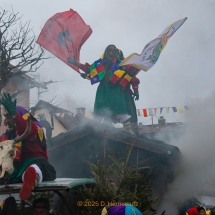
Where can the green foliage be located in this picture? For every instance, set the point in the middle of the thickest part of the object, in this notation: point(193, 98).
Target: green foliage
point(118, 183)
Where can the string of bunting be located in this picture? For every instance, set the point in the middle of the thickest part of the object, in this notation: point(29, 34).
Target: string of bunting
point(140, 112)
point(153, 111)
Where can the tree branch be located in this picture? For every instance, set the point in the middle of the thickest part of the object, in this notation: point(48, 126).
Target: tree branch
point(18, 49)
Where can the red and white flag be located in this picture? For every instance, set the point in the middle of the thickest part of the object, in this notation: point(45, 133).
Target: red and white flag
point(64, 34)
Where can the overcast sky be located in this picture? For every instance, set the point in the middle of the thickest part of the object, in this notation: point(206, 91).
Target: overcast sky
point(184, 73)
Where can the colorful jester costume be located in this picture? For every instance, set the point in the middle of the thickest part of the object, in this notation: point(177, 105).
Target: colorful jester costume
point(196, 211)
point(114, 96)
point(121, 210)
point(31, 162)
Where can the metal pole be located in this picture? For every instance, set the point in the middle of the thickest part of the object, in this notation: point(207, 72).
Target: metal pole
point(152, 119)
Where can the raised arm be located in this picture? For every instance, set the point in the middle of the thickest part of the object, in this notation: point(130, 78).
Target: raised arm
point(20, 123)
point(135, 85)
point(134, 81)
point(84, 67)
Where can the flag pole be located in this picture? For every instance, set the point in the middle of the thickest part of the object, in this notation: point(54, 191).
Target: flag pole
point(152, 119)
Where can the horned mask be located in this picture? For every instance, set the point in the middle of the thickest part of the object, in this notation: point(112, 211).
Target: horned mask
point(8, 151)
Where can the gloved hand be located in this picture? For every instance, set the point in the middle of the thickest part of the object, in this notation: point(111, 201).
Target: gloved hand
point(84, 75)
point(136, 96)
point(9, 104)
point(71, 60)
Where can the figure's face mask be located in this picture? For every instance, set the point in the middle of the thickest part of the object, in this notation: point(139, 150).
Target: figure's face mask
point(9, 122)
point(111, 52)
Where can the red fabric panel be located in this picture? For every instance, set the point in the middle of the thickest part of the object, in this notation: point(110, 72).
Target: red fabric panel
point(33, 149)
point(145, 114)
point(64, 34)
point(18, 153)
point(3, 137)
point(114, 79)
point(192, 211)
point(21, 126)
point(100, 68)
point(124, 83)
point(128, 66)
point(133, 71)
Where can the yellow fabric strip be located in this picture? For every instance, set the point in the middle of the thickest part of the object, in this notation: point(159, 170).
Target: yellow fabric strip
point(102, 56)
point(93, 73)
point(140, 67)
point(180, 109)
point(128, 77)
point(18, 144)
point(40, 134)
point(167, 109)
point(119, 73)
point(25, 116)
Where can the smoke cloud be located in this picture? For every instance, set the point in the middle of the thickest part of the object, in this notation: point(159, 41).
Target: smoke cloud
point(185, 66)
point(196, 172)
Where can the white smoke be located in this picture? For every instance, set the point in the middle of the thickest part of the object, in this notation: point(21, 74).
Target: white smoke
point(196, 172)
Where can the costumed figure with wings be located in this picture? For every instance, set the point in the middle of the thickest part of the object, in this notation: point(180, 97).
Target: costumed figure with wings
point(114, 99)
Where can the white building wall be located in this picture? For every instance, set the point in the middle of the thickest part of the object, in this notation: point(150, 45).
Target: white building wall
point(58, 127)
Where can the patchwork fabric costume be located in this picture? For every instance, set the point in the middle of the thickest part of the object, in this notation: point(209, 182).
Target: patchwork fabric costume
point(113, 96)
point(121, 210)
point(194, 211)
point(31, 162)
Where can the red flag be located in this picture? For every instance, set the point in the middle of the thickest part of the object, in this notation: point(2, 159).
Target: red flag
point(145, 114)
point(64, 34)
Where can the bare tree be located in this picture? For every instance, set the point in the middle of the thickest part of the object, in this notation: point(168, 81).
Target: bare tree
point(18, 51)
point(53, 102)
point(19, 54)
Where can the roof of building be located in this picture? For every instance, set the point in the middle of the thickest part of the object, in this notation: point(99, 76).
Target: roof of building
point(70, 121)
point(52, 108)
point(67, 120)
point(92, 127)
